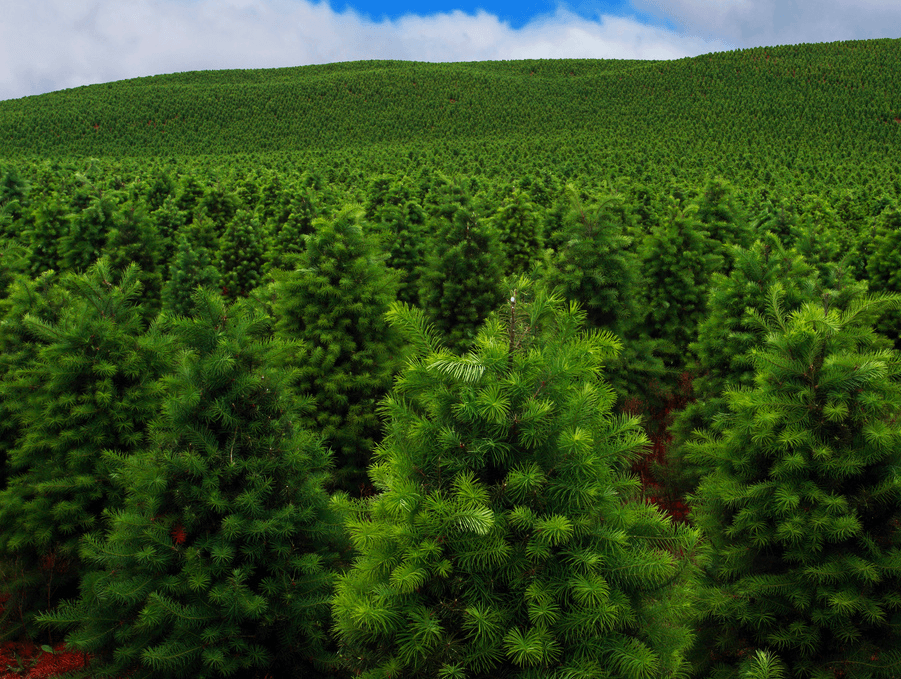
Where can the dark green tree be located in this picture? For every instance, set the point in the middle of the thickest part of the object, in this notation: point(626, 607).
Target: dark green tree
point(44, 228)
point(88, 230)
point(678, 259)
point(507, 539)
point(190, 268)
point(803, 503)
point(519, 226)
point(460, 283)
point(89, 384)
point(884, 268)
point(334, 304)
point(240, 256)
point(219, 561)
point(135, 240)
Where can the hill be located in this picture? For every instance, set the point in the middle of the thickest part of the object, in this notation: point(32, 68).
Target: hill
point(794, 102)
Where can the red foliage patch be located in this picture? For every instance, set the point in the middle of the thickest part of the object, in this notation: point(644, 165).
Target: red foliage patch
point(24, 660)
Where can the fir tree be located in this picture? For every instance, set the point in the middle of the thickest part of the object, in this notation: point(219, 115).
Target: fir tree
point(678, 259)
point(219, 561)
point(190, 268)
point(135, 240)
point(81, 247)
point(729, 334)
point(884, 268)
point(461, 279)
point(519, 224)
point(44, 228)
point(87, 386)
point(506, 540)
point(240, 256)
point(334, 304)
point(803, 503)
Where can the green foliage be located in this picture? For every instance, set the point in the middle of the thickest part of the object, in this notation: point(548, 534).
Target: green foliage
point(461, 280)
point(884, 268)
point(678, 259)
point(190, 268)
point(218, 561)
point(801, 508)
point(334, 304)
point(729, 333)
point(506, 540)
point(87, 385)
point(240, 256)
point(519, 225)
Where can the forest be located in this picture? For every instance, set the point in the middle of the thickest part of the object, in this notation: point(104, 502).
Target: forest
point(537, 369)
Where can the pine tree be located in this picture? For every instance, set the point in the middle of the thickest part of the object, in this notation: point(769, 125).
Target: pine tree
point(47, 224)
point(89, 385)
point(678, 260)
point(506, 540)
point(803, 504)
point(218, 563)
point(519, 225)
point(88, 229)
point(135, 240)
point(334, 304)
point(240, 256)
point(884, 268)
point(460, 283)
point(286, 241)
point(729, 334)
point(190, 268)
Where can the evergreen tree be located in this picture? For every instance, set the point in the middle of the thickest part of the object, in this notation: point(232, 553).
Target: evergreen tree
point(506, 540)
point(884, 268)
point(81, 247)
point(803, 503)
point(596, 264)
point(90, 386)
point(723, 217)
point(729, 334)
point(190, 268)
point(286, 241)
point(334, 304)
point(44, 228)
point(135, 240)
point(404, 228)
point(678, 260)
point(240, 256)
point(519, 224)
point(461, 279)
point(218, 563)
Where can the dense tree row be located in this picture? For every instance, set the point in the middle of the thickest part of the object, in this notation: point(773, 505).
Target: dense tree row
point(818, 114)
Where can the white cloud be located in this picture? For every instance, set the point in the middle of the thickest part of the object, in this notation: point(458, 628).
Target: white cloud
point(752, 23)
point(57, 44)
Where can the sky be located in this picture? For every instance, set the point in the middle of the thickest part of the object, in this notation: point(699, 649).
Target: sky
point(48, 45)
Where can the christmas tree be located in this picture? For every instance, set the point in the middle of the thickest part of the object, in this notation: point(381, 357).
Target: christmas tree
point(507, 539)
point(803, 503)
point(218, 561)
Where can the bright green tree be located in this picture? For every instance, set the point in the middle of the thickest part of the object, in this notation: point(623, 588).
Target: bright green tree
point(218, 562)
point(507, 539)
point(803, 503)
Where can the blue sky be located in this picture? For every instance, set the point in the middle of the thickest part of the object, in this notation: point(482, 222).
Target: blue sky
point(48, 45)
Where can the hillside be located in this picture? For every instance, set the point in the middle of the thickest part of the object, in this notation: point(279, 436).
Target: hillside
point(800, 98)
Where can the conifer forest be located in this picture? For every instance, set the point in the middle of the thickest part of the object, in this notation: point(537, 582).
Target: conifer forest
point(539, 369)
